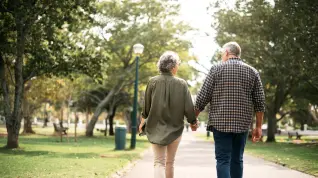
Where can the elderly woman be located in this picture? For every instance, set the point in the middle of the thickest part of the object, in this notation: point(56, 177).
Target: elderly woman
point(167, 101)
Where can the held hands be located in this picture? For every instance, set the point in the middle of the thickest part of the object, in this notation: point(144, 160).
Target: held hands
point(256, 135)
point(195, 126)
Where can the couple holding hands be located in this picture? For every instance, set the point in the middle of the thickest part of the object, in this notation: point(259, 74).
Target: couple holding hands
point(234, 91)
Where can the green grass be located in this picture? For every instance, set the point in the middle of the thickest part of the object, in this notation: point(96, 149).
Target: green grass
point(302, 157)
point(47, 130)
point(45, 156)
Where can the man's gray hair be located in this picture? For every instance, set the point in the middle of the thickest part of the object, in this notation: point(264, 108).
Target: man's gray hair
point(168, 61)
point(233, 48)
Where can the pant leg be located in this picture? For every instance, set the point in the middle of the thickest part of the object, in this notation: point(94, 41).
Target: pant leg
point(238, 145)
point(159, 160)
point(223, 149)
point(171, 154)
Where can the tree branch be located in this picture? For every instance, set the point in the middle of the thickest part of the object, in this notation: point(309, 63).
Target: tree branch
point(283, 116)
point(92, 96)
point(128, 56)
point(4, 86)
point(33, 74)
point(8, 68)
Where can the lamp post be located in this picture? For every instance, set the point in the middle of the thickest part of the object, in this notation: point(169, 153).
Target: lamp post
point(138, 49)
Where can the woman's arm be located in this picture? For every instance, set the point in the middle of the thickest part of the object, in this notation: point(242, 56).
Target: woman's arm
point(189, 107)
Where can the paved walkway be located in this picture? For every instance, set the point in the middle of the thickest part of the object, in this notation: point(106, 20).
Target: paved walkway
point(195, 159)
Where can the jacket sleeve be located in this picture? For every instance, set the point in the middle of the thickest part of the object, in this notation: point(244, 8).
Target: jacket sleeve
point(147, 104)
point(188, 105)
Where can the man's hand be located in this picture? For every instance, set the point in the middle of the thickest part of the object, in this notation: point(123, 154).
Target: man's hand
point(195, 126)
point(257, 134)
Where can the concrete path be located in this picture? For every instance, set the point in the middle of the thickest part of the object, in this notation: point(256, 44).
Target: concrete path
point(195, 159)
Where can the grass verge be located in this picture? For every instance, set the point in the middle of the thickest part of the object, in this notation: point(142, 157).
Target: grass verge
point(301, 157)
point(45, 156)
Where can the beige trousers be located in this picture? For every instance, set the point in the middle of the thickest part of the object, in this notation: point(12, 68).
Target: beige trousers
point(164, 159)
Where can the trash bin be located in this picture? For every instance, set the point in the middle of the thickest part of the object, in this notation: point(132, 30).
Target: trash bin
point(120, 137)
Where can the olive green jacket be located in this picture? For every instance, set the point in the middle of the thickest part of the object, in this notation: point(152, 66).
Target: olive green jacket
point(167, 101)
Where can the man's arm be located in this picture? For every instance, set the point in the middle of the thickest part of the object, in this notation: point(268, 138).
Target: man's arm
point(258, 97)
point(259, 119)
point(205, 93)
point(188, 105)
point(257, 132)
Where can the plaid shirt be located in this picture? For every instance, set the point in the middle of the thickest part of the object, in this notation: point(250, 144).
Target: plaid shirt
point(233, 89)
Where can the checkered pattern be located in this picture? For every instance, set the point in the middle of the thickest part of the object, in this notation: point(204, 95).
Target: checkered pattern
point(233, 89)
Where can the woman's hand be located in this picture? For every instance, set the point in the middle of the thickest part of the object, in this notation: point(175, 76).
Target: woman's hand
point(195, 126)
point(141, 124)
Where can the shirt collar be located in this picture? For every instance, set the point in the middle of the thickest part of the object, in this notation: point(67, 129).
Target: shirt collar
point(235, 58)
point(166, 73)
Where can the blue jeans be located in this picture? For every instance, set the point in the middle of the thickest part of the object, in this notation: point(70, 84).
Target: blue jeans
point(229, 149)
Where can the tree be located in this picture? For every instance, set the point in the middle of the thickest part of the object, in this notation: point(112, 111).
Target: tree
point(125, 23)
point(34, 42)
point(271, 43)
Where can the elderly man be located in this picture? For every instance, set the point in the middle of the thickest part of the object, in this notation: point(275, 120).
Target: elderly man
point(234, 90)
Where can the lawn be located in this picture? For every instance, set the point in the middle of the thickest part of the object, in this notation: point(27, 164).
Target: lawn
point(302, 157)
point(45, 156)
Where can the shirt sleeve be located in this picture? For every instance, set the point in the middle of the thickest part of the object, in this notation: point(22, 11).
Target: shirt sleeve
point(258, 95)
point(205, 93)
point(188, 106)
point(147, 104)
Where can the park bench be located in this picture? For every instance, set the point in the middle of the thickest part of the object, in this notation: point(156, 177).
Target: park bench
point(294, 133)
point(101, 130)
point(299, 134)
point(60, 129)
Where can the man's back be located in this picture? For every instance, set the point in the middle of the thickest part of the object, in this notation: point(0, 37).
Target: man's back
point(232, 88)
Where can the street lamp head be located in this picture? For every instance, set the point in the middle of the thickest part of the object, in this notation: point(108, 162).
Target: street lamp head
point(138, 48)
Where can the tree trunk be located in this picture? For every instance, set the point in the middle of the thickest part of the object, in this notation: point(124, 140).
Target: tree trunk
point(13, 136)
point(106, 123)
point(99, 109)
point(27, 128)
point(302, 126)
point(87, 116)
point(14, 122)
point(111, 121)
point(61, 117)
point(111, 126)
point(127, 115)
point(27, 112)
point(271, 126)
point(91, 125)
point(76, 122)
point(4, 87)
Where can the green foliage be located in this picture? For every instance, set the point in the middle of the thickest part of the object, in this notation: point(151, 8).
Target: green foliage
point(120, 25)
point(47, 25)
point(279, 40)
